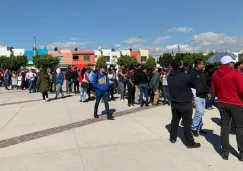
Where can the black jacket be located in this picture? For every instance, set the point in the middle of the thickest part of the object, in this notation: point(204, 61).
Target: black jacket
point(142, 78)
point(180, 84)
point(201, 83)
point(75, 75)
point(69, 76)
point(136, 74)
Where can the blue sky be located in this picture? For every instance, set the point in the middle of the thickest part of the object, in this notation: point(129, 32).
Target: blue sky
point(160, 24)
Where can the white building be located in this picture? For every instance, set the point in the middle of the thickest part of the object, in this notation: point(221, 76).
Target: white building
point(110, 55)
point(6, 51)
point(126, 52)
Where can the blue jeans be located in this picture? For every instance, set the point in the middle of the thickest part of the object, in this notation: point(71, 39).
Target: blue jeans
point(209, 102)
point(200, 110)
point(30, 84)
point(105, 97)
point(143, 92)
point(165, 91)
point(83, 93)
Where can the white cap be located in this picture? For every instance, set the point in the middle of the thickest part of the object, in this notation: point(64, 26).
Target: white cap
point(227, 59)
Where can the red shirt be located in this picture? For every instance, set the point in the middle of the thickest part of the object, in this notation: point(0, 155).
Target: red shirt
point(81, 77)
point(227, 85)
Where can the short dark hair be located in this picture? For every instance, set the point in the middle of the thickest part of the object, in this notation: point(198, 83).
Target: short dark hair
point(176, 63)
point(237, 64)
point(159, 69)
point(197, 62)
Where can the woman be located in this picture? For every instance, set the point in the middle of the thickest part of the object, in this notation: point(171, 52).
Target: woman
point(111, 77)
point(44, 84)
point(84, 85)
point(165, 89)
point(131, 86)
point(143, 85)
point(14, 80)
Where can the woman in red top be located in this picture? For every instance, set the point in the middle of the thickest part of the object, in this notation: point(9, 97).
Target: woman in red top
point(83, 78)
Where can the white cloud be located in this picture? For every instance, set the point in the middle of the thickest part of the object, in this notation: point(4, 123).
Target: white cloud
point(159, 39)
point(134, 40)
point(66, 45)
point(181, 29)
point(117, 46)
point(75, 39)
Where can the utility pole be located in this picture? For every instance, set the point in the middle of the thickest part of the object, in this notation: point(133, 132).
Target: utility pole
point(35, 52)
point(179, 49)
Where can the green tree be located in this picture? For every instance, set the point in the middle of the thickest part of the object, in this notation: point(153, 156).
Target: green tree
point(100, 60)
point(45, 61)
point(165, 60)
point(127, 60)
point(150, 62)
point(13, 62)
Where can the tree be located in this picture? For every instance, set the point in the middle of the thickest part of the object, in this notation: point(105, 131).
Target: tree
point(150, 62)
point(45, 61)
point(100, 60)
point(13, 62)
point(127, 60)
point(165, 60)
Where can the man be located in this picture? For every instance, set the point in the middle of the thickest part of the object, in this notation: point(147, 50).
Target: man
point(69, 79)
point(6, 78)
point(227, 85)
point(59, 82)
point(122, 81)
point(238, 66)
point(202, 92)
point(101, 84)
point(154, 85)
point(75, 81)
point(180, 85)
point(137, 89)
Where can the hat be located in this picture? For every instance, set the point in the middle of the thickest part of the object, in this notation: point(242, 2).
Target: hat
point(227, 59)
point(102, 66)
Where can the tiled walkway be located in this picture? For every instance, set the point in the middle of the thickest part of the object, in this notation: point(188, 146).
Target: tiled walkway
point(63, 136)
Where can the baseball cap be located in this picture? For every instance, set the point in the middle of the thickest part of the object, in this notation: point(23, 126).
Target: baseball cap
point(102, 66)
point(227, 59)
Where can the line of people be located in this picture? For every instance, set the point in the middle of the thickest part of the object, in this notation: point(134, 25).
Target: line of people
point(188, 88)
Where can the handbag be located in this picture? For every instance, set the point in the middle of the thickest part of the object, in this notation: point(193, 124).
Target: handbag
point(85, 83)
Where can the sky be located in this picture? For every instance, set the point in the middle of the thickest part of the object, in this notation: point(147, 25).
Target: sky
point(156, 25)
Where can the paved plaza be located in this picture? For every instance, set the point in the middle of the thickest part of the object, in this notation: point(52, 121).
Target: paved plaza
point(62, 136)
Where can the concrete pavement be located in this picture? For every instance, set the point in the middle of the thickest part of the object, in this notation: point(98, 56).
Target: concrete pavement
point(136, 140)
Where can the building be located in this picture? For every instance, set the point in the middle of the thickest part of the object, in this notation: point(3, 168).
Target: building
point(8, 51)
point(31, 53)
point(68, 58)
point(144, 54)
point(136, 55)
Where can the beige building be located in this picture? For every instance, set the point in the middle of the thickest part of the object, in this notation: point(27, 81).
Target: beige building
point(144, 54)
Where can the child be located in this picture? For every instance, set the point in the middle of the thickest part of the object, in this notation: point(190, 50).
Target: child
point(14, 80)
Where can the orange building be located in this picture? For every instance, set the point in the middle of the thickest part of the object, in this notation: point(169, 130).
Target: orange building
point(136, 55)
point(69, 58)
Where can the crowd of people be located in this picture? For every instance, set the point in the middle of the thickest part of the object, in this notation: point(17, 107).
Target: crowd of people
point(182, 88)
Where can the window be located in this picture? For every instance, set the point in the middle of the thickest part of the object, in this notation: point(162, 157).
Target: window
point(143, 58)
point(87, 57)
point(114, 56)
point(107, 58)
point(75, 57)
point(61, 58)
point(96, 56)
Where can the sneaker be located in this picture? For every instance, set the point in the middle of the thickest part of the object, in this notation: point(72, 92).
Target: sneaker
point(202, 132)
point(80, 101)
point(240, 157)
point(225, 157)
point(47, 100)
point(96, 116)
point(195, 133)
point(141, 105)
point(172, 141)
point(195, 145)
point(110, 117)
point(147, 105)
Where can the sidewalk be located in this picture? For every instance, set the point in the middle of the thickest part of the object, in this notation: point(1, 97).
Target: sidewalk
point(61, 136)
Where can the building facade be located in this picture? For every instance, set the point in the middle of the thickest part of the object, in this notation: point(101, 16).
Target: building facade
point(30, 54)
point(144, 54)
point(7, 51)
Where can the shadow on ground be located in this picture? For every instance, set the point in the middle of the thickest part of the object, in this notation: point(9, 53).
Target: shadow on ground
point(213, 139)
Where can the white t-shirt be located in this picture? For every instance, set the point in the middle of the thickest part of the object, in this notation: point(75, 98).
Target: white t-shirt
point(164, 80)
